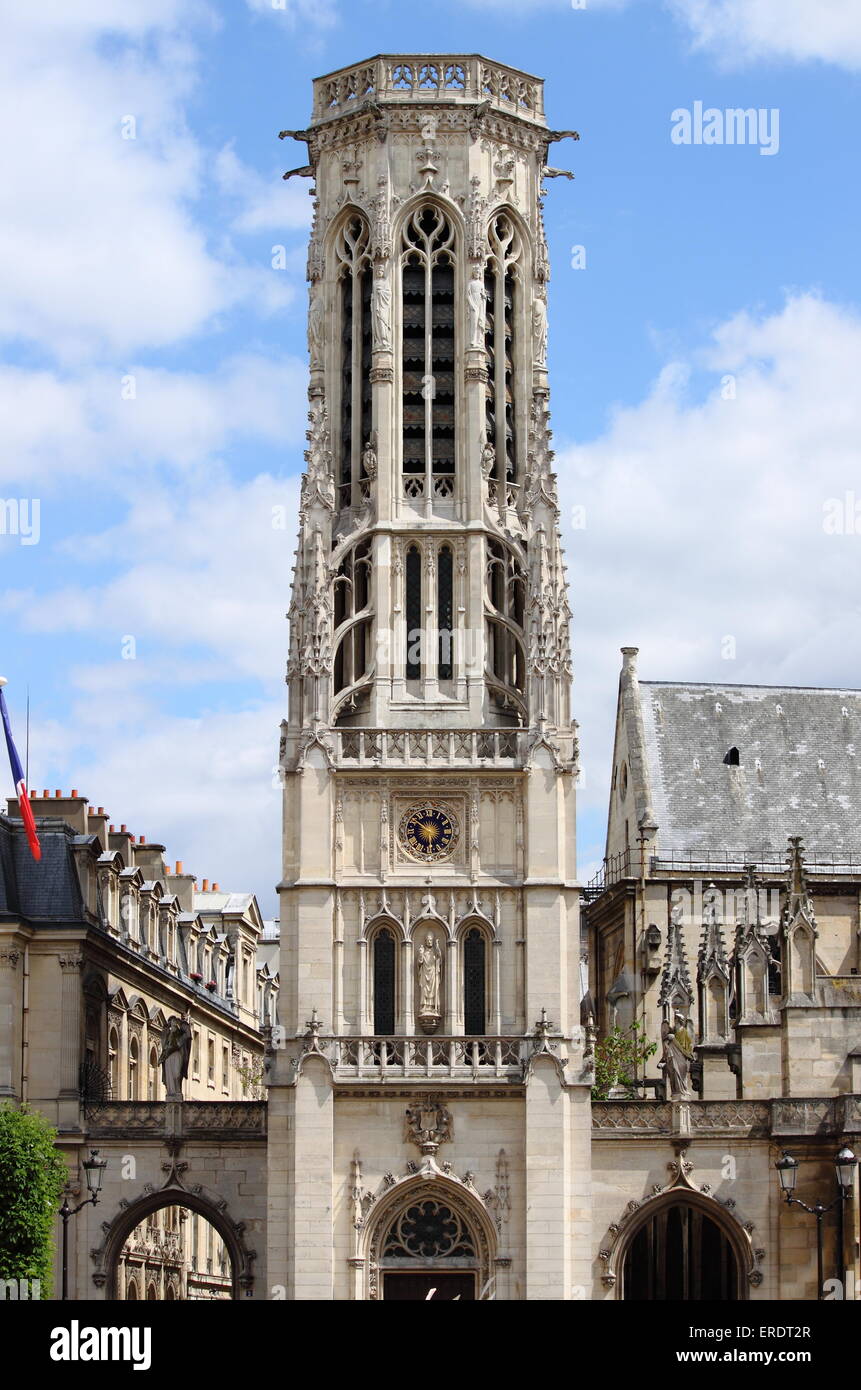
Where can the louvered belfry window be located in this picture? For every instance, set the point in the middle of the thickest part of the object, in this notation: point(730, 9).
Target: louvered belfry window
point(428, 348)
point(414, 613)
point(355, 289)
point(445, 614)
point(474, 986)
point(384, 983)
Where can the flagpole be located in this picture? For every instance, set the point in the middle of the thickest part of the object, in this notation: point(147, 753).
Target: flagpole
point(27, 744)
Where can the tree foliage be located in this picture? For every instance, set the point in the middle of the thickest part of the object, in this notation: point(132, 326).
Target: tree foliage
point(618, 1057)
point(32, 1178)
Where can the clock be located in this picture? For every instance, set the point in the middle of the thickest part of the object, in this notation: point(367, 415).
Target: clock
point(428, 832)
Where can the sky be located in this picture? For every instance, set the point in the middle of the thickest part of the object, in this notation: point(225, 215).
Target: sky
point(705, 354)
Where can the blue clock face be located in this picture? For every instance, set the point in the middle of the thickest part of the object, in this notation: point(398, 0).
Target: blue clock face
point(428, 832)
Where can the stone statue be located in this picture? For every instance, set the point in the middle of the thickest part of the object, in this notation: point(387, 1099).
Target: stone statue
point(676, 1058)
point(315, 326)
point(475, 308)
point(382, 306)
point(488, 460)
point(430, 975)
point(369, 460)
point(175, 1052)
point(539, 331)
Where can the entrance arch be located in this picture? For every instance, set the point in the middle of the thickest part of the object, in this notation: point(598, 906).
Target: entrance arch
point(214, 1211)
point(680, 1250)
point(430, 1239)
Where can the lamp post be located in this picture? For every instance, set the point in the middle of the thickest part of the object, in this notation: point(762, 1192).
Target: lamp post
point(94, 1171)
point(845, 1164)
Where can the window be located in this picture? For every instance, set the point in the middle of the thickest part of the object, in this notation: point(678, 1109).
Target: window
point(153, 1073)
point(355, 287)
point(113, 1063)
point(474, 983)
point(351, 598)
point(731, 757)
point(414, 613)
point(225, 1069)
point(210, 1062)
point(428, 353)
point(506, 592)
point(134, 1057)
point(384, 983)
point(500, 289)
point(445, 614)
point(195, 1054)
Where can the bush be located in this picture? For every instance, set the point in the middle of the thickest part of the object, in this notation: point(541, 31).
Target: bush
point(32, 1178)
point(617, 1058)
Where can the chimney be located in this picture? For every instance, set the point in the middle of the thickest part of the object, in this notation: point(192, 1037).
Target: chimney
point(74, 793)
point(215, 887)
point(142, 839)
point(205, 888)
point(178, 869)
point(58, 793)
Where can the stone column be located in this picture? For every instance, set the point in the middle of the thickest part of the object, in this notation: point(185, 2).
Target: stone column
point(10, 1015)
point(313, 1174)
point(68, 1107)
point(547, 1148)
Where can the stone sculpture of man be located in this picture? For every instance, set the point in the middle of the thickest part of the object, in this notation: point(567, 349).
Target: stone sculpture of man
point(430, 974)
point(539, 331)
point(315, 326)
point(175, 1052)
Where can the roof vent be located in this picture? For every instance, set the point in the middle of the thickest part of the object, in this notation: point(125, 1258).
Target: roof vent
point(696, 764)
point(845, 712)
point(757, 764)
point(778, 709)
point(731, 757)
point(820, 763)
point(718, 707)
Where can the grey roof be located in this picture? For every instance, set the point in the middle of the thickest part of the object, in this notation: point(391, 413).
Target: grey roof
point(798, 774)
point(44, 889)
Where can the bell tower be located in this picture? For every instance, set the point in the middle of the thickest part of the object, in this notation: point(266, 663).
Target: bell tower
point(429, 903)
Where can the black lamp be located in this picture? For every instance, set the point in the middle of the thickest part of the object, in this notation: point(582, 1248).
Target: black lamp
point(845, 1162)
point(94, 1171)
point(787, 1171)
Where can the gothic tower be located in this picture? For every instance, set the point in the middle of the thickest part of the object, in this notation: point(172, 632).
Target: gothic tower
point(429, 1092)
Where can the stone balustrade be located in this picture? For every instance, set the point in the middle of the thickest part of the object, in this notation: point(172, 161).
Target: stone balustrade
point(429, 747)
point(449, 78)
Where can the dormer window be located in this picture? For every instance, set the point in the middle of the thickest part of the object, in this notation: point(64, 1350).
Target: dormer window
point(731, 757)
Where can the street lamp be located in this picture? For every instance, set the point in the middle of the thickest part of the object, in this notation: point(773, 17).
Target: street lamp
point(94, 1171)
point(845, 1164)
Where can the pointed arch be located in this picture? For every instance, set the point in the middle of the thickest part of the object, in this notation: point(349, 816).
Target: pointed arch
point(390, 1242)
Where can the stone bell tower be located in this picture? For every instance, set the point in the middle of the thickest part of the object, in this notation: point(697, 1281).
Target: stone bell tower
point(429, 1092)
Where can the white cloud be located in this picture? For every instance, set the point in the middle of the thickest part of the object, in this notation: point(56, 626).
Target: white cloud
point(264, 203)
point(317, 14)
point(743, 30)
point(54, 427)
point(706, 519)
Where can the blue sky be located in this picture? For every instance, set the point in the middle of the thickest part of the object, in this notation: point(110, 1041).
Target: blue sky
point(150, 258)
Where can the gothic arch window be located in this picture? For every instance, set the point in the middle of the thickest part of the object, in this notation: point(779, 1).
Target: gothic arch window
point(502, 309)
point(413, 609)
point(475, 982)
point(430, 1241)
point(506, 597)
point(428, 354)
point(355, 288)
point(132, 1291)
point(384, 992)
point(351, 599)
point(445, 613)
point(681, 1253)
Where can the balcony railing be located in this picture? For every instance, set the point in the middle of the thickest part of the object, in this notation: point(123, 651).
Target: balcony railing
point(434, 1058)
point(704, 863)
point(421, 747)
point(452, 77)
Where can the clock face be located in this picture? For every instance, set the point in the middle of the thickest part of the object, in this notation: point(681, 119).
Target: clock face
point(428, 832)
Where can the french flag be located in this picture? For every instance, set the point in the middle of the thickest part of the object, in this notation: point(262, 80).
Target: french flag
point(18, 779)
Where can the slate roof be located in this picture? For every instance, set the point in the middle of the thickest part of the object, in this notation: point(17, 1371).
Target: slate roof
point(43, 890)
point(799, 769)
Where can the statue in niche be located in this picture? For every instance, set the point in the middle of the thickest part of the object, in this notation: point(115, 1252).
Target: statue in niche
point(488, 461)
point(315, 326)
point(175, 1052)
point(369, 459)
point(382, 313)
point(475, 308)
point(429, 961)
point(676, 1057)
point(539, 331)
